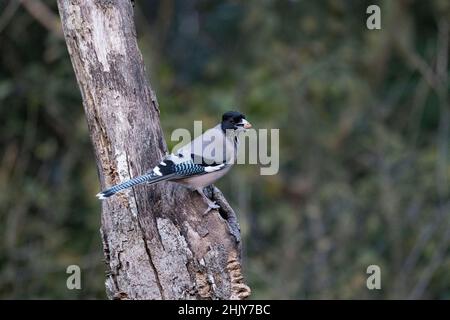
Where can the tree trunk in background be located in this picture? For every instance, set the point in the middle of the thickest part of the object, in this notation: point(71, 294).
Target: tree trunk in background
point(157, 242)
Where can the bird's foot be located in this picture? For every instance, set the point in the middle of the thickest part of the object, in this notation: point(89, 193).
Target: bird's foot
point(211, 206)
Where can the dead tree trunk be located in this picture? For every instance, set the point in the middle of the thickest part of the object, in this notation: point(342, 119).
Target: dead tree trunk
point(157, 242)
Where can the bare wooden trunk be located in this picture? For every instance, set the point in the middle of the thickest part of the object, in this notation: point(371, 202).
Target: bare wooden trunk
point(157, 242)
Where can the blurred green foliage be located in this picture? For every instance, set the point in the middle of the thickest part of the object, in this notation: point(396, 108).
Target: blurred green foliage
point(364, 132)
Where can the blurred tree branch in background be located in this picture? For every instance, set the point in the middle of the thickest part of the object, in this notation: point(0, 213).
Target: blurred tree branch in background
point(8, 13)
point(44, 15)
point(38, 10)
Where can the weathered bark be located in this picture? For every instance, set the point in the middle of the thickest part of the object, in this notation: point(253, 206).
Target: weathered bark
point(157, 242)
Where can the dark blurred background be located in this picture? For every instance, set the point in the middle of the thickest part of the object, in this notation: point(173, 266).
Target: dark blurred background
point(364, 142)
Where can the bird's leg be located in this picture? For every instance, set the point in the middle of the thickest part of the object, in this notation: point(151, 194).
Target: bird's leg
point(211, 204)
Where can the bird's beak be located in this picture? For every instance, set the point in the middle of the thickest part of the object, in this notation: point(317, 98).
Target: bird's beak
point(247, 125)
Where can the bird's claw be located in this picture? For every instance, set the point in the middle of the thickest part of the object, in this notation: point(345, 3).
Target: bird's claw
point(211, 206)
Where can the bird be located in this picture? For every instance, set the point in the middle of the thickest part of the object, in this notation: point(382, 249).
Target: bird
point(197, 164)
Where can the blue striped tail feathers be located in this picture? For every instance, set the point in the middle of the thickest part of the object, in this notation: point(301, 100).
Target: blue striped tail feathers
point(149, 178)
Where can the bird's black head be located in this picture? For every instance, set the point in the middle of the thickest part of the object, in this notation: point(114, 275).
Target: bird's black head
point(233, 120)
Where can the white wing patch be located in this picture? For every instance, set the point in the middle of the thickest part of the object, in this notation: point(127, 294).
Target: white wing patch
point(157, 171)
point(214, 168)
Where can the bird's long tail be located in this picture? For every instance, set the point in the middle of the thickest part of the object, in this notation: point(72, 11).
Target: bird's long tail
point(150, 178)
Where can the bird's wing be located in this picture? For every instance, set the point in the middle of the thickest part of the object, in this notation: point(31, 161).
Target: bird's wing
point(209, 149)
point(178, 166)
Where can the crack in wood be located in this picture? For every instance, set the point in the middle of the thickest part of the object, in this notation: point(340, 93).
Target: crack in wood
point(158, 281)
